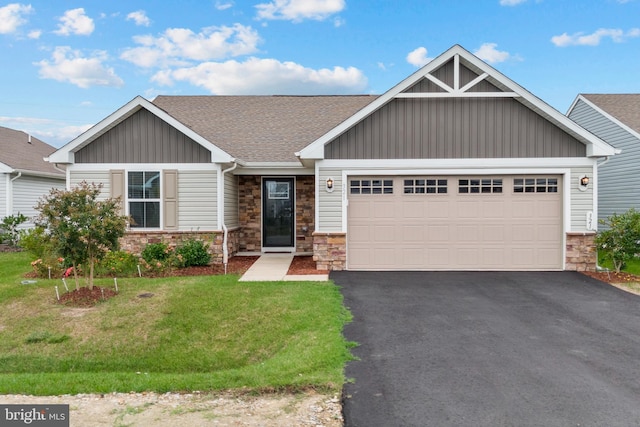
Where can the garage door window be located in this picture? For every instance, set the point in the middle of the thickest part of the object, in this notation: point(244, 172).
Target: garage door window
point(480, 185)
point(425, 186)
point(535, 185)
point(371, 186)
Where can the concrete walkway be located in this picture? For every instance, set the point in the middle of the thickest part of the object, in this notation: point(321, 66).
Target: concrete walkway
point(274, 267)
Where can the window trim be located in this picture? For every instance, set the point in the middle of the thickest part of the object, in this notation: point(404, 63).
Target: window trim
point(159, 200)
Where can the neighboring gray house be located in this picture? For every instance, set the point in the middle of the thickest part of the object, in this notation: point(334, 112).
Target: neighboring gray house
point(456, 167)
point(24, 174)
point(614, 118)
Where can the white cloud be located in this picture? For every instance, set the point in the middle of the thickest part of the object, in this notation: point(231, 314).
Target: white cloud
point(75, 22)
point(223, 5)
point(177, 46)
point(511, 2)
point(488, 53)
point(298, 10)
point(71, 66)
point(593, 39)
point(12, 16)
point(140, 18)
point(266, 76)
point(34, 34)
point(418, 57)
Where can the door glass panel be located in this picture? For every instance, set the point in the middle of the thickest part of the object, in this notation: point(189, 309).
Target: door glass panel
point(278, 214)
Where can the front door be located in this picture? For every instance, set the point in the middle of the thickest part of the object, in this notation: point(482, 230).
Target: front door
point(278, 213)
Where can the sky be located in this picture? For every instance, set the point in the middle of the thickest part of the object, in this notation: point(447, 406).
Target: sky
point(67, 65)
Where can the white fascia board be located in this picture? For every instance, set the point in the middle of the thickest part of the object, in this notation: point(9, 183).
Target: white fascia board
point(142, 166)
point(60, 176)
point(273, 168)
point(65, 154)
point(395, 165)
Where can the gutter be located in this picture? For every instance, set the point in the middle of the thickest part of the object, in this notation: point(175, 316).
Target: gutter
point(225, 249)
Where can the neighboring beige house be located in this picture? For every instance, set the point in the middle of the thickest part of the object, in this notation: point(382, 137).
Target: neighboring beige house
point(615, 118)
point(455, 168)
point(24, 174)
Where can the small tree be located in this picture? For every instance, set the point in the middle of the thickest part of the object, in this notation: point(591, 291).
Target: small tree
point(621, 239)
point(81, 227)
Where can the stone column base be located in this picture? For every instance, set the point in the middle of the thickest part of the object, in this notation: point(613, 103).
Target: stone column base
point(581, 251)
point(330, 251)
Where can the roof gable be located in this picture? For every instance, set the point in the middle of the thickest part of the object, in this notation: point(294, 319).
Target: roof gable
point(621, 109)
point(459, 74)
point(20, 152)
point(66, 154)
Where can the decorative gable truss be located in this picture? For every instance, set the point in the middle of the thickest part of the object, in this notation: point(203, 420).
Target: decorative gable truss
point(458, 74)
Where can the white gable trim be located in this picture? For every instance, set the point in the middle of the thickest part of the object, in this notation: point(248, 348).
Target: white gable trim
point(595, 146)
point(603, 113)
point(66, 153)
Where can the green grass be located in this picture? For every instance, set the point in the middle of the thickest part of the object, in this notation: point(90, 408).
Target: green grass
point(194, 333)
point(632, 266)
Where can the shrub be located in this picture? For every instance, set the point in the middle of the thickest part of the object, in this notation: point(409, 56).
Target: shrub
point(193, 253)
point(49, 267)
point(156, 252)
point(37, 242)
point(621, 240)
point(117, 264)
point(9, 231)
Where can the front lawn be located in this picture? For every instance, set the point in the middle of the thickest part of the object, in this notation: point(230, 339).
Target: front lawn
point(169, 334)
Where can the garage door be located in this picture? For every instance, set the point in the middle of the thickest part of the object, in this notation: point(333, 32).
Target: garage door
point(455, 223)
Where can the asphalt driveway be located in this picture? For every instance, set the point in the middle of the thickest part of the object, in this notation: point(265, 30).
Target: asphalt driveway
point(490, 349)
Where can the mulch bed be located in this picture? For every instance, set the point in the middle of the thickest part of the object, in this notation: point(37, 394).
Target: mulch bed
point(613, 277)
point(84, 297)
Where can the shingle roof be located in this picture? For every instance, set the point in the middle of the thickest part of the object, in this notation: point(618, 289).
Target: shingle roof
point(18, 153)
point(624, 107)
point(262, 128)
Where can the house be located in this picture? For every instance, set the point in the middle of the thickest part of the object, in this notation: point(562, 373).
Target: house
point(24, 174)
point(614, 118)
point(455, 168)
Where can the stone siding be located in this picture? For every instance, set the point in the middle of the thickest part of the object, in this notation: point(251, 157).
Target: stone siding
point(305, 213)
point(250, 211)
point(581, 252)
point(135, 241)
point(330, 251)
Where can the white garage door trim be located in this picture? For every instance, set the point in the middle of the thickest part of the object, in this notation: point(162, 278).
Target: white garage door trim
point(550, 254)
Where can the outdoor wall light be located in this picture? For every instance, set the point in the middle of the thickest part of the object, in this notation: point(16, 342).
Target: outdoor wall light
point(584, 182)
point(329, 185)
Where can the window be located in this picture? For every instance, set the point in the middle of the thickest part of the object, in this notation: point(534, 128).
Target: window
point(371, 186)
point(480, 185)
point(535, 185)
point(143, 196)
point(425, 186)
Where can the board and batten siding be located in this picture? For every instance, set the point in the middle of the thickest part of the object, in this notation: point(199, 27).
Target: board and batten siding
point(613, 195)
point(197, 201)
point(231, 201)
point(143, 138)
point(445, 128)
point(330, 212)
point(27, 192)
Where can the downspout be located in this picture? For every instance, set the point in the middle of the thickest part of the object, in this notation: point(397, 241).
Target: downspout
point(225, 249)
point(598, 266)
point(9, 210)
